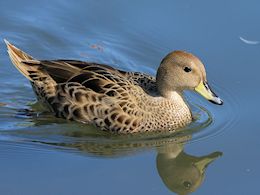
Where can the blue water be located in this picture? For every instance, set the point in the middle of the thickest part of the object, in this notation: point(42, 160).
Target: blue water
point(43, 155)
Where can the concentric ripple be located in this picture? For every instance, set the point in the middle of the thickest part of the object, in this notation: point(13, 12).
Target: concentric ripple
point(26, 124)
point(41, 129)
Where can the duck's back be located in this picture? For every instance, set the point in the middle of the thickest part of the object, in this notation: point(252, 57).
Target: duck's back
point(94, 93)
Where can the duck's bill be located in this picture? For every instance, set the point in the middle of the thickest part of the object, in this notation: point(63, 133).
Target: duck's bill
point(204, 161)
point(204, 90)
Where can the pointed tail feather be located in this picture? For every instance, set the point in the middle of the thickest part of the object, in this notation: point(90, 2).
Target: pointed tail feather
point(17, 57)
point(32, 70)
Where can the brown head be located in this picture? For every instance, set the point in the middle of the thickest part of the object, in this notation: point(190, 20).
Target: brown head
point(180, 71)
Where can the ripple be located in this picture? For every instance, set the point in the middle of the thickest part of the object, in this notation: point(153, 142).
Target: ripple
point(25, 123)
point(223, 117)
point(44, 129)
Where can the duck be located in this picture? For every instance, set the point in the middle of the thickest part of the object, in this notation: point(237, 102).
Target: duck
point(115, 100)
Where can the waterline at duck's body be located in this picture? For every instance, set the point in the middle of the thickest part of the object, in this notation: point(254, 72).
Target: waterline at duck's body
point(115, 100)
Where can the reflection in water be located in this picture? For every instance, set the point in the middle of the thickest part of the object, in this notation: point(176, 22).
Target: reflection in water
point(182, 173)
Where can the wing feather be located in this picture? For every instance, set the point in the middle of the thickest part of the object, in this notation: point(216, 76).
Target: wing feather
point(103, 99)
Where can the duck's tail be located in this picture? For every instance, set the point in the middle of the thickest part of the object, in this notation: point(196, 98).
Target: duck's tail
point(17, 57)
point(26, 64)
point(31, 68)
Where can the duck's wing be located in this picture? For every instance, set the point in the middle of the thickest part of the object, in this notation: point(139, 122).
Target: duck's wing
point(98, 95)
point(92, 93)
point(63, 70)
point(145, 81)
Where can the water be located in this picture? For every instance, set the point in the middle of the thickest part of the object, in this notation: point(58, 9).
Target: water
point(43, 155)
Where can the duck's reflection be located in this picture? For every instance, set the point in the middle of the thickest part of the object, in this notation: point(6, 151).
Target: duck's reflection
point(182, 173)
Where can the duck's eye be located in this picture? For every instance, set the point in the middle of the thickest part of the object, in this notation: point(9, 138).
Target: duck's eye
point(187, 185)
point(187, 69)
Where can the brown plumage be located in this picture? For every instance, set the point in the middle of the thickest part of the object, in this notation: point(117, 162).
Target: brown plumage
point(115, 100)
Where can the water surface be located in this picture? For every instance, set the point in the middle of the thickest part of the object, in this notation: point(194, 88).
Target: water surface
point(216, 154)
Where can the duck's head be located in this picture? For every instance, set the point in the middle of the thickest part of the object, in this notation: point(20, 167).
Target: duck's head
point(180, 71)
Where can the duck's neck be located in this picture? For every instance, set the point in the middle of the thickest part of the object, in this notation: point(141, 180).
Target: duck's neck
point(174, 95)
point(178, 100)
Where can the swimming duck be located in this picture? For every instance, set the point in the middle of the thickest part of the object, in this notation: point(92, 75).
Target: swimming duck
point(116, 100)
